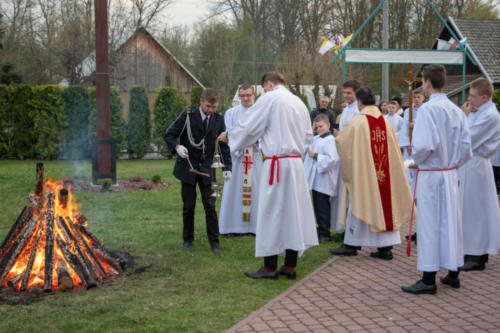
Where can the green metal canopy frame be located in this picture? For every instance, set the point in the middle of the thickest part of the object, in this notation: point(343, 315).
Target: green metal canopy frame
point(404, 56)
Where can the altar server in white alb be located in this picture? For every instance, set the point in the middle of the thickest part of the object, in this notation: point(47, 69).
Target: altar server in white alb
point(480, 210)
point(351, 110)
point(285, 218)
point(321, 164)
point(396, 121)
point(238, 212)
point(441, 144)
point(495, 161)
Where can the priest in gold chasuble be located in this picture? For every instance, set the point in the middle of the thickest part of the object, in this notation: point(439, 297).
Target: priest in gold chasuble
point(377, 199)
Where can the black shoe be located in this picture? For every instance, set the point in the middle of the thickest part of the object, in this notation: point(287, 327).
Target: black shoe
point(420, 288)
point(452, 282)
point(472, 266)
point(323, 239)
point(189, 246)
point(262, 274)
point(215, 248)
point(385, 255)
point(292, 275)
point(344, 251)
point(413, 237)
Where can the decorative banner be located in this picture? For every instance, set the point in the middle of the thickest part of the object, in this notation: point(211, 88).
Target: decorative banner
point(326, 46)
point(247, 184)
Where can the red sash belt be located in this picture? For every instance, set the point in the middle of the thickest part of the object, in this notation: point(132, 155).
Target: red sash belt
point(408, 247)
point(275, 159)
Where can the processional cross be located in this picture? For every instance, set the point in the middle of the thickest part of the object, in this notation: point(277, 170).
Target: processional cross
point(410, 80)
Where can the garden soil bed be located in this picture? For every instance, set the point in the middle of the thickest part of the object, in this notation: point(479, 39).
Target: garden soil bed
point(135, 184)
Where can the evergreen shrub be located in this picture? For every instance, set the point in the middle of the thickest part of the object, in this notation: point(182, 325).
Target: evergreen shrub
point(139, 123)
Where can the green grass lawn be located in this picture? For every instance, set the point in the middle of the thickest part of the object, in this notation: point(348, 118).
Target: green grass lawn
point(181, 291)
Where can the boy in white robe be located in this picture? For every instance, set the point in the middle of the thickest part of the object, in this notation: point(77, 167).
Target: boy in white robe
point(396, 121)
point(495, 162)
point(480, 210)
point(285, 217)
point(321, 164)
point(231, 219)
point(441, 143)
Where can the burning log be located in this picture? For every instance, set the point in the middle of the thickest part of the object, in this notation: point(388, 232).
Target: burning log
point(63, 198)
point(49, 242)
point(14, 281)
point(27, 272)
point(39, 180)
point(98, 248)
point(16, 228)
point(76, 265)
point(10, 256)
point(64, 280)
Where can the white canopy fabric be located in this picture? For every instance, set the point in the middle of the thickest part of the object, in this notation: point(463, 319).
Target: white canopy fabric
point(380, 56)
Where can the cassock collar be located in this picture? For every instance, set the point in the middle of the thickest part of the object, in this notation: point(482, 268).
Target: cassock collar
point(485, 106)
point(279, 86)
point(371, 110)
point(325, 135)
point(437, 96)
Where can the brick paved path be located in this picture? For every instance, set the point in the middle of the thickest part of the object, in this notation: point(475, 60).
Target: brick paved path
point(362, 294)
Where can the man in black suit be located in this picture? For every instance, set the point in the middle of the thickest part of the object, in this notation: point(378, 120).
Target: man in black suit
point(323, 109)
point(198, 130)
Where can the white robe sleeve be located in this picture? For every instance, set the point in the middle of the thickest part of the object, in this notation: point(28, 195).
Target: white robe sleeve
point(485, 134)
point(329, 158)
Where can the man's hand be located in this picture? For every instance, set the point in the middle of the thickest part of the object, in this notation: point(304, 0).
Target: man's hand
point(222, 137)
point(182, 151)
point(413, 166)
point(311, 153)
point(468, 108)
point(227, 175)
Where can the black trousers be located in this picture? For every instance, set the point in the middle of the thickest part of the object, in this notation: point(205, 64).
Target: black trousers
point(321, 203)
point(290, 260)
point(496, 173)
point(189, 203)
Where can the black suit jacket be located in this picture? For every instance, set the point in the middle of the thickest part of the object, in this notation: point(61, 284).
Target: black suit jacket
point(202, 163)
point(328, 112)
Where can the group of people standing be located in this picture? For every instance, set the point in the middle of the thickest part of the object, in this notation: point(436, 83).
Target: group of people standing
point(273, 157)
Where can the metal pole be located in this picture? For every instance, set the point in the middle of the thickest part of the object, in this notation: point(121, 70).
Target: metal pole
point(104, 162)
point(385, 45)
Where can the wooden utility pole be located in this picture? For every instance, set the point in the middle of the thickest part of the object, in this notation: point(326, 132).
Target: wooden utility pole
point(410, 80)
point(104, 157)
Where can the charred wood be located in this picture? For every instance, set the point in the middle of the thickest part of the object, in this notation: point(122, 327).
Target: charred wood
point(39, 180)
point(27, 271)
point(76, 265)
point(83, 244)
point(64, 280)
point(12, 283)
point(15, 229)
point(63, 198)
point(10, 256)
point(49, 242)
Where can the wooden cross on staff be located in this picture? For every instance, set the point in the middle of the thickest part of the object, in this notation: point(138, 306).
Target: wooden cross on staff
point(410, 80)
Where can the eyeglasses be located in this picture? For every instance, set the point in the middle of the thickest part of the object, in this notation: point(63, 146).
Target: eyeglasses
point(246, 96)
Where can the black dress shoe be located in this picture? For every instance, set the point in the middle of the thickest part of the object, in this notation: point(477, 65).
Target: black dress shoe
point(452, 282)
point(413, 237)
point(472, 266)
point(292, 275)
point(262, 274)
point(215, 248)
point(189, 246)
point(420, 288)
point(344, 251)
point(385, 255)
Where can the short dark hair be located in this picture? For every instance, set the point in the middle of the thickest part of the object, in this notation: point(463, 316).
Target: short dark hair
point(365, 95)
point(274, 77)
point(210, 95)
point(246, 86)
point(436, 74)
point(418, 92)
point(483, 87)
point(322, 117)
point(398, 100)
point(354, 84)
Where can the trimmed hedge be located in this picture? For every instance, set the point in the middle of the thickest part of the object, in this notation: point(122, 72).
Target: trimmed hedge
point(169, 104)
point(195, 96)
point(5, 132)
point(139, 123)
point(77, 111)
point(23, 137)
point(117, 123)
point(496, 98)
point(49, 120)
